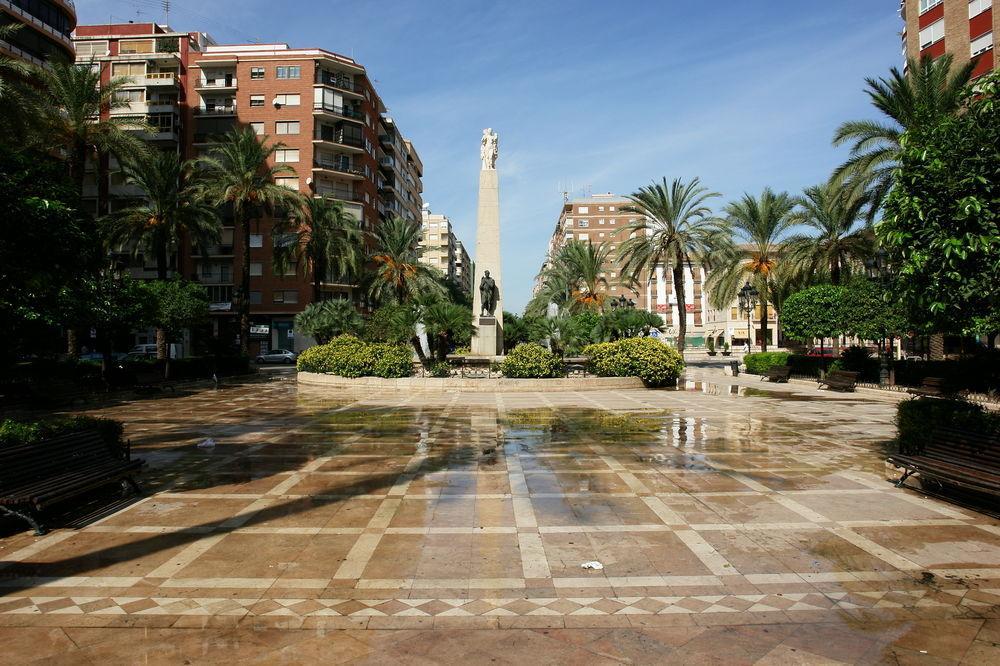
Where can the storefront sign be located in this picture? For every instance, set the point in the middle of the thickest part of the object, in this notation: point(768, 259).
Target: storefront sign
point(260, 331)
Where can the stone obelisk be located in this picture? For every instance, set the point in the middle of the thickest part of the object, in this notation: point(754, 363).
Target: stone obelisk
point(488, 312)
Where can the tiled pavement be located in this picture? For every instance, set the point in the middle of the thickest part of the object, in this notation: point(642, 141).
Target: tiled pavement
point(735, 522)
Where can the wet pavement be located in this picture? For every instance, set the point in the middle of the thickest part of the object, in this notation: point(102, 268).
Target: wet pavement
point(735, 523)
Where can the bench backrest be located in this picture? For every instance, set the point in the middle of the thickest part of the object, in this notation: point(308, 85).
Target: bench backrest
point(779, 370)
point(964, 446)
point(62, 453)
point(842, 376)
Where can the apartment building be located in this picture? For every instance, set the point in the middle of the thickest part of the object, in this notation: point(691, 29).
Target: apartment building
point(729, 325)
point(322, 108)
point(442, 249)
point(965, 28)
point(600, 219)
point(46, 33)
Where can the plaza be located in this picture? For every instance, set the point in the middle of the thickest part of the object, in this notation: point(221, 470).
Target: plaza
point(734, 522)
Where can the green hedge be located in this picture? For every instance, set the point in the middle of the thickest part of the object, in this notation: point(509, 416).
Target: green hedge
point(917, 418)
point(529, 360)
point(760, 362)
point(16, 433)
point(347, 356)
point(655, 362)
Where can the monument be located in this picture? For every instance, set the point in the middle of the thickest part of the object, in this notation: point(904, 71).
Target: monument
point(487, 302)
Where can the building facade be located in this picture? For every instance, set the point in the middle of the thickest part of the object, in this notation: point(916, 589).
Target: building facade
point(322, 108)
point(602, 220)
point(465, 269)
point(46, 32)
point(965, 28)
point(441, 249)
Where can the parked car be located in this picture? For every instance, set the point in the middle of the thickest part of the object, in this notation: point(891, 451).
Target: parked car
point(277, 356)
point(98, 356)
point(816, 352)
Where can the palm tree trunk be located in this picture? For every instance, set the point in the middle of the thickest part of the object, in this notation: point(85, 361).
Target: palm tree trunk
point(161, 274)
point(763, 324)
point(835, 271)
point(245, 289)
point(678, 271)
point(72, 345)
point(415, 341)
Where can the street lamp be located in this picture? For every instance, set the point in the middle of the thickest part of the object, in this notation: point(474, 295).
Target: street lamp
point(878, 272)
point(748, 301)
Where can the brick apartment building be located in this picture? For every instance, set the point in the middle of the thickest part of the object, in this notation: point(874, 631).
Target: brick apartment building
point(965, 28)
point(46, 33)
point(320, 105)
point(600, 219)
point(443, 250)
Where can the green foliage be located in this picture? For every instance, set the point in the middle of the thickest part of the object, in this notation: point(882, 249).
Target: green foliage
point(327, 319)
point(531, 361)
point(759, 363)
point(656, 363)
point(347, 356)
point(710, 344)
point(815, 312)
point(399, 275)
point(167, 45)
point(916, 420)
point(446, 324)
point(516, 329)
point(15, 433)
point(177, 304)
point(441, 370)
point(379, 326)
point(871, 312)
point(942, 218)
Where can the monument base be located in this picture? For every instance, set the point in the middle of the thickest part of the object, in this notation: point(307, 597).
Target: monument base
point(488, 340)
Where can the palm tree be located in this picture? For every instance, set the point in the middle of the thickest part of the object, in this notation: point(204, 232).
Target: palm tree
point(66, 108)
point(10, 68)
point(12, 108)
point(578, 272)
point(676, 228)
point(446, 322)
point(928, 90)
point(236, 173)
point(837, 239)
point(326, 240)
point(324, 320)
point(758, 223)
point(399, 274)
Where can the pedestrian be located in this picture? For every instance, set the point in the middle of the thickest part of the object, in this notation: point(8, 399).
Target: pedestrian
point(746, 347)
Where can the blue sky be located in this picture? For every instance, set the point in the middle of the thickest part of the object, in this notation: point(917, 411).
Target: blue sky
point(604, 96)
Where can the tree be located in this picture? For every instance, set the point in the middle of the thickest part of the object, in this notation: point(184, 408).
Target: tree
point(13, 119)
point(10, 68)
point(516, 330)
point(236, 173)
point(177, 304)
point(941, 227)
point(871, 312)
point(929, 90)
point(322, 238)
point(816, 312)
point(676, 228)
point(578, 271)
point(758, 223)
point(66, 106)
point(399, 274)
point(836, 238)
point(325, 320)
point(447, 323)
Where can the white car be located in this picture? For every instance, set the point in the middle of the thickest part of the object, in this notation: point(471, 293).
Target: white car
point(277, 356)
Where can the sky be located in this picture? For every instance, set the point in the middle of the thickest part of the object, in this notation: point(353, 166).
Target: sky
point(587, 96)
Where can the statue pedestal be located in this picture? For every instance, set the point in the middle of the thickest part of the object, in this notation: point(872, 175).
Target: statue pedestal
point(488, 339)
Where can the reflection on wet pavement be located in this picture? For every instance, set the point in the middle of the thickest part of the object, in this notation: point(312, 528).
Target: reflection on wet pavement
point(731, 520)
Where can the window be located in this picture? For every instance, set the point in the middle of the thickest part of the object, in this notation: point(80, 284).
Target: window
point(583, 210)
point(258, 128)
point(601, 221)
point(932, 33)
point(927, 4)
point(284, 240)
point(286, 127)
point(601, 234)
point(290, 183)
point(611, 208)
point(569, 223)
point(131, 96)
point(91, 48)
point(291, 268)
point(286, 155)
point(612, 221)
point(982, 44)
point(255, 298)
point(256, 269)
point(256, 240)
point(289, 72)
point(256, 100)
point(287, 100)
point(582, 237)
point(286, 296)
point(128, 69)
point(583, 224)
point(256, 72)
point(976, 7)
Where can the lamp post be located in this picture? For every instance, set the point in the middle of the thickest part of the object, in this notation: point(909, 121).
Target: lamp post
point(877, 269)
point(748, 301)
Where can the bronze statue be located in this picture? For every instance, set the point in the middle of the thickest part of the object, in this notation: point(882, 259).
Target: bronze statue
point(489, 292)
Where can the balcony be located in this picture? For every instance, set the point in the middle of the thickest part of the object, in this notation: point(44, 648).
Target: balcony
point(339, 140)
point(225, 83)
point(213, 251)
point(161, 134)
point(387, 163)
point(154, 80)
point(339, 193)
point(215, 110)
point(339, 82)
point(342, 111)
point(339, 167)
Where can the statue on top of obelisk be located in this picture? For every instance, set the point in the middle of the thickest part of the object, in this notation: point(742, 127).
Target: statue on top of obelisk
point(489, 148)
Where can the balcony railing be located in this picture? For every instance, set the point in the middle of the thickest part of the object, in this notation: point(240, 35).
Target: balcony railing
point(215, 110)
point(345, 111)
point(334, 165)
point(218, 83)
point(339, 193)
point(341, 138)
point(340, 83)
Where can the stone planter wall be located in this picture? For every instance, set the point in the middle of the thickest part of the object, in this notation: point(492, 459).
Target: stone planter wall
point(502, 385)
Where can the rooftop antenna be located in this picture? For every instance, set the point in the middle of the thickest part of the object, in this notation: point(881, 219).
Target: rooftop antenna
point(166, 11)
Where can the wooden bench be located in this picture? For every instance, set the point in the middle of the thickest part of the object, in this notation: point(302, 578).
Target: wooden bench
point(839, 380)
point(959, 457)
point(151, 381)
point(932, 387)
point(778, 374)
point(35, 476)
point(576, 366)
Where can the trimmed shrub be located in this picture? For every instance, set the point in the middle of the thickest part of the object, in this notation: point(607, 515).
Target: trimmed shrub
point(15, 433)
point(347, 356)
point(917, 418)
point(440, 370)
point(655, 362)
point(759, 363)
point(531, 361)
point(808, 365)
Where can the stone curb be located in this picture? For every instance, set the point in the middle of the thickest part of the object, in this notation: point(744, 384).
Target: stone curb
point(499, 385)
